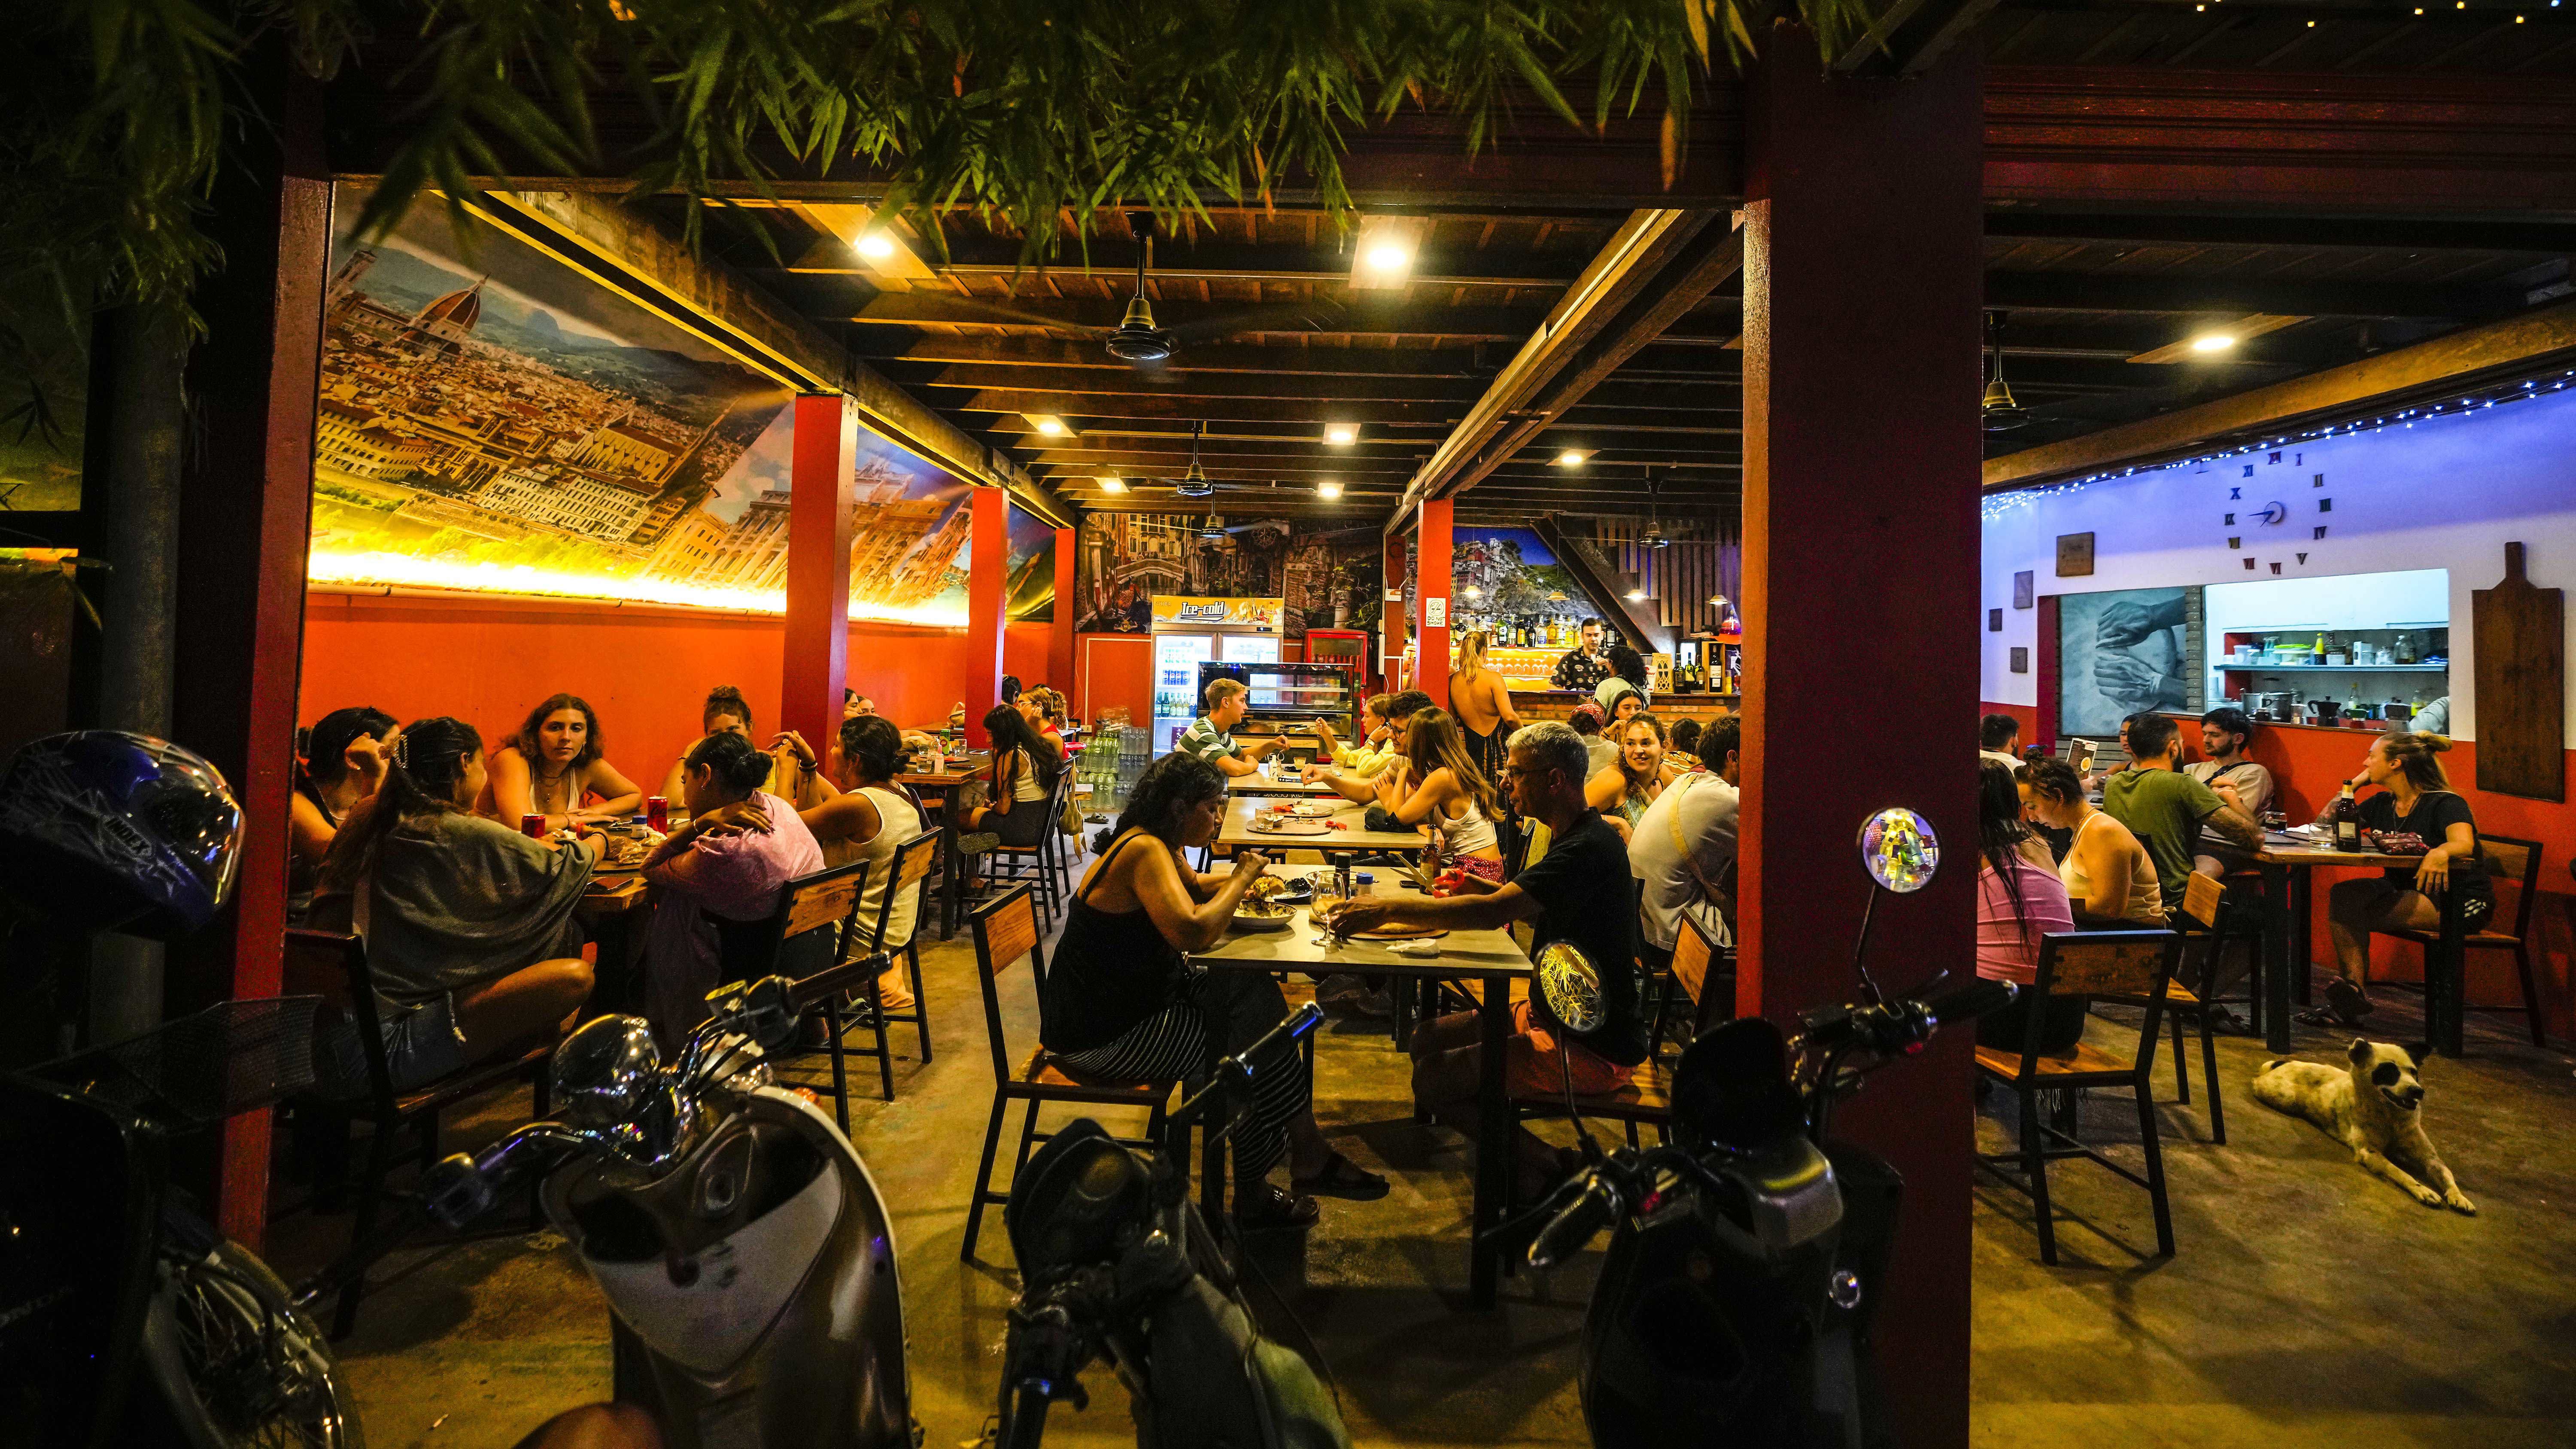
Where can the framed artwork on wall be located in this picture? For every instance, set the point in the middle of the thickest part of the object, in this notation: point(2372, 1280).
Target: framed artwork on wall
point(1994, 621)
point(2021, 659)
point(2022, 588)
point(2074, 555)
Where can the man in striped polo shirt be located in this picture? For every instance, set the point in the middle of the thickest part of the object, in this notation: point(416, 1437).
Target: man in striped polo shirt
point(1209, 736)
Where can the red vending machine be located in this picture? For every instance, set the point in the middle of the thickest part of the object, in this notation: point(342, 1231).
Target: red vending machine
point(1348, 648)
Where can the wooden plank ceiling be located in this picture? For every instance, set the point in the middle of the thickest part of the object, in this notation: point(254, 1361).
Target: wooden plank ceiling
point(2097, 304)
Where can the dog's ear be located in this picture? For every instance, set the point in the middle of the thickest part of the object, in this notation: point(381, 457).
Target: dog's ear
point(2359, 1050)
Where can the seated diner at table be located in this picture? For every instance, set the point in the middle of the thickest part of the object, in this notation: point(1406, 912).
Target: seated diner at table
point(1590, 721)
point(1624, 790)
point(2167, 809)
point(1210, 737)
point(1122, 1002)
point(339, 762)
point(1683, 751)
point(2109, 877)
point(2242, 783)
point(1682, 851)
point(2018, 902)
point(727, 712)
point(853, 706)
point(867, 814)
point(1580, 892)
point(712, 868)
point(1044, 711)
point(1361, 787)
point(1999, 740)
point(468, 923)
point(2414, 799)
point(1623, 694)
point(1023, 777)
point(1363, 757)
point(555, 767)
point(1437, 784)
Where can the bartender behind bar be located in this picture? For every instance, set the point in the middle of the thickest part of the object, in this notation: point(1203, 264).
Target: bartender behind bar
point(1585, 665)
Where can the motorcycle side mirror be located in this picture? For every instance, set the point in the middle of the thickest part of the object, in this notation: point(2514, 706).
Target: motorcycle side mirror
point(1571, 985)
point(606, 1072)
point(1899, 850)
point(764, 1010)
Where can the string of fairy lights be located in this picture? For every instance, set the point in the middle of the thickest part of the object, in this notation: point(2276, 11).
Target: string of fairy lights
point(1998, 504)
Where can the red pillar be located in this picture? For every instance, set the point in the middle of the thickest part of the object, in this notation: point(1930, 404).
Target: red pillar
point(1431, 599)
point(1060, 635)
point(987, 567)
point(818, 566)
point(1861, 461)
point(245, 505)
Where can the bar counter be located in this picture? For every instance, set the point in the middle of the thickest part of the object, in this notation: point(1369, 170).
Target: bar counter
point(1538, 704)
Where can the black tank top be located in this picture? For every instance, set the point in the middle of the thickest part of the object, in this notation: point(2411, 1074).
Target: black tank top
point(1112, 969)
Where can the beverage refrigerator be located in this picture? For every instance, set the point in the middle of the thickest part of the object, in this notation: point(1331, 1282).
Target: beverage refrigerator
point(1348, 648)
point(1283, 699)
point(1190, 631)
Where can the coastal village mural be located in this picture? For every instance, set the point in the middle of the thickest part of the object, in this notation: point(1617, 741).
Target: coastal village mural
point(1328, 577)
point(492, 421)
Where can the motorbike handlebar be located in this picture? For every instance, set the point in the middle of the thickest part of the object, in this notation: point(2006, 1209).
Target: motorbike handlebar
point(1977, 998)
point(1596, 1204)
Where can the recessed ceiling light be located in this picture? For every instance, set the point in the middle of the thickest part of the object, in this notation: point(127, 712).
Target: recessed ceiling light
point(1573, 457)
point(876, 246)
point(1328, 490)
point(1047, 423)
point(1390, 257)
point(1474, 593)
point(1112, 483)
point(2213, 342)
point(1636, 595)
point(1341, 435)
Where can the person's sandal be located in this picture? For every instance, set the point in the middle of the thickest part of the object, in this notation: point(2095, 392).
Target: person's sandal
point(1342, 1178)
point(2345, 1005)
point(1267, 1207)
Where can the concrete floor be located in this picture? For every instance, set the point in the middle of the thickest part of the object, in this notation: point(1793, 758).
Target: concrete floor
point(2308, 1304)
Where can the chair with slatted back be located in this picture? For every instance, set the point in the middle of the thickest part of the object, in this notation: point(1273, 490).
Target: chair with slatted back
point(1040, 864)
point(803, 940)
point(910, 869)
point(1006, 931)
point(2200, 907)
point(2134, 964)
point(1697, 964)
point(2513, 865)
point(334, 967)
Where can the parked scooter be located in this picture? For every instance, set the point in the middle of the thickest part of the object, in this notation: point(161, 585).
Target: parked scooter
point(746, 1254)
point(125, 1317)
point(1747, 1254)
point(1117, 1262)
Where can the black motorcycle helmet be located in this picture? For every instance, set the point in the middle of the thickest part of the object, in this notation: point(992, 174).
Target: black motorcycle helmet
point(103, 829)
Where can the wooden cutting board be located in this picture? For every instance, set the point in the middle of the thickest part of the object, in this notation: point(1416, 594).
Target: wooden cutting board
point(2521, 681)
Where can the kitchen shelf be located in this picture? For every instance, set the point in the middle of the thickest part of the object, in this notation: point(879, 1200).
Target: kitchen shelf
point(2336, 668)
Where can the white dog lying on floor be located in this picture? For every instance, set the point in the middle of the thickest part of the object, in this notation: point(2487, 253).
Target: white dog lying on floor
point(2372, 1107)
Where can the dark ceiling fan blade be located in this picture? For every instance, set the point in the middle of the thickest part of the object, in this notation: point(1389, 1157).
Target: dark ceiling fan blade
point(1318, 315)
point(1004, 312)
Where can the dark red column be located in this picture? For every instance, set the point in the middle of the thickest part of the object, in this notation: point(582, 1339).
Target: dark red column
point(1431, 601)
point(1861, 462)
point(245, 504)
point(987, 573)
point(818, 567)
point(1060, 635)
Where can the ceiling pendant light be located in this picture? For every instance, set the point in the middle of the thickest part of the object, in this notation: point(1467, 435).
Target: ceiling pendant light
point(1653, 537)
point(1194, 483)
point(1998, 411)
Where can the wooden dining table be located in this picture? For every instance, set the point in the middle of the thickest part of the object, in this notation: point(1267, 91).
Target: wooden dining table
point(1306, 786)
point(2286, 863)
point(1237, 832)
point(933, 786)
point(1491, 958)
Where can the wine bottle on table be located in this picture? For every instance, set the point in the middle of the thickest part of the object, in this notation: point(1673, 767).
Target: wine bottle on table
point(2347, 820)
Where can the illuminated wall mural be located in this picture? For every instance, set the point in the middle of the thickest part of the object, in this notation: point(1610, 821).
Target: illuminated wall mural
point(1030, 583)
point(1329, 578)
point(491, 420)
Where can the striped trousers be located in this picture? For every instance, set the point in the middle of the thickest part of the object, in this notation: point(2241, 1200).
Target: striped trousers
point(1214, 1014)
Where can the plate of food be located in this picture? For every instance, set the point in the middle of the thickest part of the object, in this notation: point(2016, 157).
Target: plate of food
point(1266, 906)
point(1290, 824)
point(1314, 810)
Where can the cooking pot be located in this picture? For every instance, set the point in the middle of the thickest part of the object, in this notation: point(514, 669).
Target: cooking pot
point(2268, 704)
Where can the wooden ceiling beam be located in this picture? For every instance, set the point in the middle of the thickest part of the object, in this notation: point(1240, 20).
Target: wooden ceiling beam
point(2167, 293)
point(1423, 317)
point(1062, 391)
point(1114, 259)
point(2302, 233)
point(1023, 352)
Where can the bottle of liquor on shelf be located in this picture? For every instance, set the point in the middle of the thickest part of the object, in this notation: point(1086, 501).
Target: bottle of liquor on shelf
point(2347, 820)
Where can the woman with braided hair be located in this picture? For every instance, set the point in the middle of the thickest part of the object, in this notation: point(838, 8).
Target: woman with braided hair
point(468, 924)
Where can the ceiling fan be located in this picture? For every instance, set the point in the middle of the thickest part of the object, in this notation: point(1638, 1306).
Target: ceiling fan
point(1998, 412)
point(1654, 536)
point(1139, 342)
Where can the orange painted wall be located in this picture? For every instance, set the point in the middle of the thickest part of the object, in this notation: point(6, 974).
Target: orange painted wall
point(2309, 765)
point(645, 670)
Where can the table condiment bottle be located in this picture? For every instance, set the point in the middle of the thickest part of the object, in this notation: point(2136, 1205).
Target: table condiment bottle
point(2347, 820)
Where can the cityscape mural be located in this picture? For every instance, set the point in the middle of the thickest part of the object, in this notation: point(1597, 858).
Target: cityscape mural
point(1328, 577)
point(491, 420)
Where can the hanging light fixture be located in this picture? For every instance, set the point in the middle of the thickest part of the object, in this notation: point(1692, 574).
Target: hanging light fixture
point(1998, 411)
point(1653, 537)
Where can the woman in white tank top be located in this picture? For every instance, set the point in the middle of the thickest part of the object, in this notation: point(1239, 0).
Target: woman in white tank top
point(2110, 880)
point(867, 816)
point(1436, 783)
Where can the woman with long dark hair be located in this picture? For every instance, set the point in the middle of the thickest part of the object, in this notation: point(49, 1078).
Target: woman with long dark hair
point(1122, 1003)
point(555, 767)
point(339, 762)
point(1437, 783)
point(1025, 768)
point(2416, 799)
point(468, 924)
point(1623, 791)
point(867, 814)
point(701, 871)
point(2018, 901)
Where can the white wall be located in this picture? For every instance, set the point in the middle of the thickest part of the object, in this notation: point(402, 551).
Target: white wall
point(2447, 493)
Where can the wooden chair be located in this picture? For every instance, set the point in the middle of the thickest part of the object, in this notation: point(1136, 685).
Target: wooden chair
point(1040, 864)
point(1698, 964)
point(334, 967)
point(802, 940)
point(1006, 929)
point(2510, 863)
point(2135, 964)
point(2200, 906)
point(910, 868)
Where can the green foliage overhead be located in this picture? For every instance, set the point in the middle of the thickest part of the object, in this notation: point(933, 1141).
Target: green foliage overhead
point(1024, 111)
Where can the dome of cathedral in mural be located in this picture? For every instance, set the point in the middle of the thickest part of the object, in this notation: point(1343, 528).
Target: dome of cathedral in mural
point(457, 309)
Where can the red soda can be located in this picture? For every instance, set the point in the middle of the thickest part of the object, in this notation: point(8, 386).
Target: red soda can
point(533, 826)
point(657, 813)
